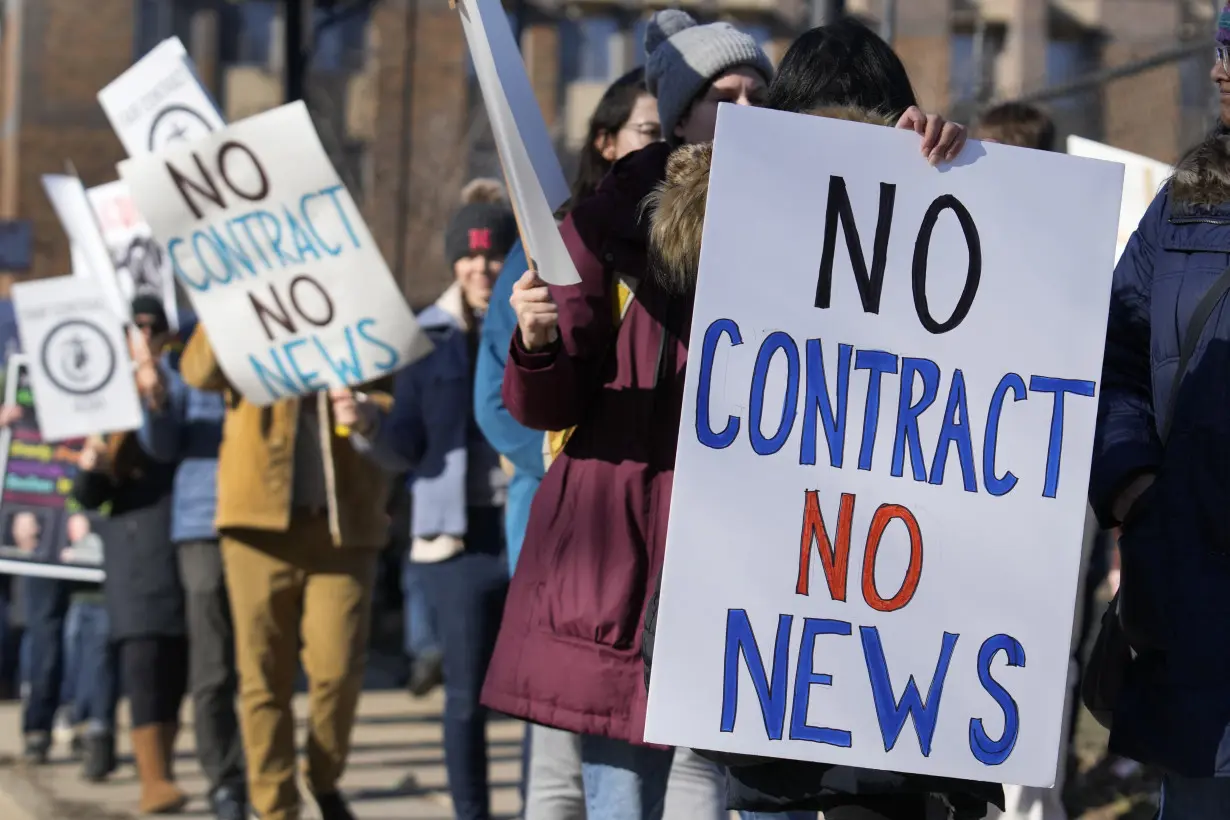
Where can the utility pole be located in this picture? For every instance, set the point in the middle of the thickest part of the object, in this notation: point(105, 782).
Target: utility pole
point(888, 21)
point(826, 11)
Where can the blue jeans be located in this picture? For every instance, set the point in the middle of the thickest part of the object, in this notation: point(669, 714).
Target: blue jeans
point(624, 781)
point(467, 594)
point(421, 634)
point(1194, 798)
point(94, 677)
point(46, 604)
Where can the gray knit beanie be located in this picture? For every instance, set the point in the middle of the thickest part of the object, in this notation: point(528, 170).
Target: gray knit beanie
point(684, 57)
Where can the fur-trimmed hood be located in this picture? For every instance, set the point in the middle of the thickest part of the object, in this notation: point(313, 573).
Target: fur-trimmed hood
point(1202, 178)
point(677, 205)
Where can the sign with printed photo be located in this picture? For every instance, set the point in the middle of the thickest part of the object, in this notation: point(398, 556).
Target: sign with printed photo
point(275, 256)
point(43, 531)
point(141, 266)
point(880, 489)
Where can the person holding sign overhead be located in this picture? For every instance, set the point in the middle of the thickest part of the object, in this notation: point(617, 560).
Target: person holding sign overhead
point(301, 512)
point(597, 529)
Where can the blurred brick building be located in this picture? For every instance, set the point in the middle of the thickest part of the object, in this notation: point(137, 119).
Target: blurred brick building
point(395, 101)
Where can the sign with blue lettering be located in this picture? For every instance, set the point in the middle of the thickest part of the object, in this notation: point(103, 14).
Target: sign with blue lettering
point(277, 260)
point(879, 497)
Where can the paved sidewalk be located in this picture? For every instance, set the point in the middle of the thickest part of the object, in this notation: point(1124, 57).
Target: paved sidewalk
point(396, 769)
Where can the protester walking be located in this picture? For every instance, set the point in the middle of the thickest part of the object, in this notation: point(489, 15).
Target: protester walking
point(91, 666)
point(302, 515)
point(592, 545)
point(624, 394)
point(458, 485)
point(143, 595)
point(1159, 465)
point(184, 429)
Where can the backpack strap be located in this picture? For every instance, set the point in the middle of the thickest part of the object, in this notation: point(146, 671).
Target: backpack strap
point(1195, 330)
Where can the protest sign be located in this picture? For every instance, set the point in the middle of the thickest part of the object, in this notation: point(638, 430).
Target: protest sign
point(160, 102)
point(276, 258)
point(140, 265)
point(78, 358)
point(86, 244)
point(535, 178)
point(879, 495)
point(43, 531)
point(1142, 180)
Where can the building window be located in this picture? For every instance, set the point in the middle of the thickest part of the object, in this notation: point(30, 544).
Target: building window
point(255, 31)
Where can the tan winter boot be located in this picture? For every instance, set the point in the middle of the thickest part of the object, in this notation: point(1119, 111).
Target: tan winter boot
point(158, 794)
point(168, 732)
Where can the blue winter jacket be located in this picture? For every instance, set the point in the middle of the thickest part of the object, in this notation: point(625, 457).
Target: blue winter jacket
point(431, 429)
point(1175, 543)
point(520, 445)
point(187, 431)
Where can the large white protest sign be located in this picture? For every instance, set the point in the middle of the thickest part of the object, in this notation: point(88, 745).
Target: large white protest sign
point(879, 497)
point(90, 255)
point(141, 267)
point(80, 371)
point(537, 182)
point(159, 102)
point(1142, 180)
point(276, 258)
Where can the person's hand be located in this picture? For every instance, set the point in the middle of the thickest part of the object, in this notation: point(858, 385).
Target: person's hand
point(537, 314)
point(10, 414)
point(92, 454)
point(942, 141)
point(351, 410)
point(145, 369)
point(1127, 499)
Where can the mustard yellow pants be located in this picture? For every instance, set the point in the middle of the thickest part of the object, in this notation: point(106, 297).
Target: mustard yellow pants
point(295, 592)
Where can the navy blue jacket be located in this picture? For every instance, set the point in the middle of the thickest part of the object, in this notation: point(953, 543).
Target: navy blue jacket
point(1175, 543)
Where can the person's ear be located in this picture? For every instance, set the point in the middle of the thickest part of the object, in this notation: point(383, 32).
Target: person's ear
point(604, 143)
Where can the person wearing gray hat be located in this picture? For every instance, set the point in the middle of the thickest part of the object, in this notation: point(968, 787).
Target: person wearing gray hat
point(692, 68)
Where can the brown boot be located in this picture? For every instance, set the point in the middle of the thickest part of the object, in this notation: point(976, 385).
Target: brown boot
point(158, 794)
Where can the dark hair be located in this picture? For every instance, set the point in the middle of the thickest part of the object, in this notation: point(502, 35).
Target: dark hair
point(1016, 123)
point(843, 63)
point(608, 118)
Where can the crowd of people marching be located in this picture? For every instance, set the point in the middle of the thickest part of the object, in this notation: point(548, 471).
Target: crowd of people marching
point(537, 442)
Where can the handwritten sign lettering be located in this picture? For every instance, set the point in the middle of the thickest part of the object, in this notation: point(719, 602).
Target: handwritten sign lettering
point(276, 259)
point(884, 451)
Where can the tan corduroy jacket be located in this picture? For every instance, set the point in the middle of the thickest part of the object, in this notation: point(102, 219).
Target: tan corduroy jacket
point(257, 459)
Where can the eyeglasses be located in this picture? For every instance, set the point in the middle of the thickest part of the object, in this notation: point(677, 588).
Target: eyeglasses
point(651, 130)
point(1223, 57)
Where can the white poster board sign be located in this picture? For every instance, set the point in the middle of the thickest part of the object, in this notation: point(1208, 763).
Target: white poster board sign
point(141, 266)
point(276, 258)
point(536, 180)
point(159, 102)
point(1142, 180)
point(80, 372)
point(879, 496)
point(90, 256)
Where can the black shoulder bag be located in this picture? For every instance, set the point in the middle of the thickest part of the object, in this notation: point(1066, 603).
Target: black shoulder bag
point(1112, 652)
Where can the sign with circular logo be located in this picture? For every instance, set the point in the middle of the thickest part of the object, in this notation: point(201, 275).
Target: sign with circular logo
point(177, 123)
point(78, 358)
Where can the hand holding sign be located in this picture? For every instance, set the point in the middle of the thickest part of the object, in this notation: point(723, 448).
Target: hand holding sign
point(145, 367)
point(942, 140)
point(351, 411)
point(93, 454)
point(537, 313)
point(10, 414)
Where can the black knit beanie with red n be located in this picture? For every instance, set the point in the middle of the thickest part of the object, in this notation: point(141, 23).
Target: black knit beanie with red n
point(484, 224)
